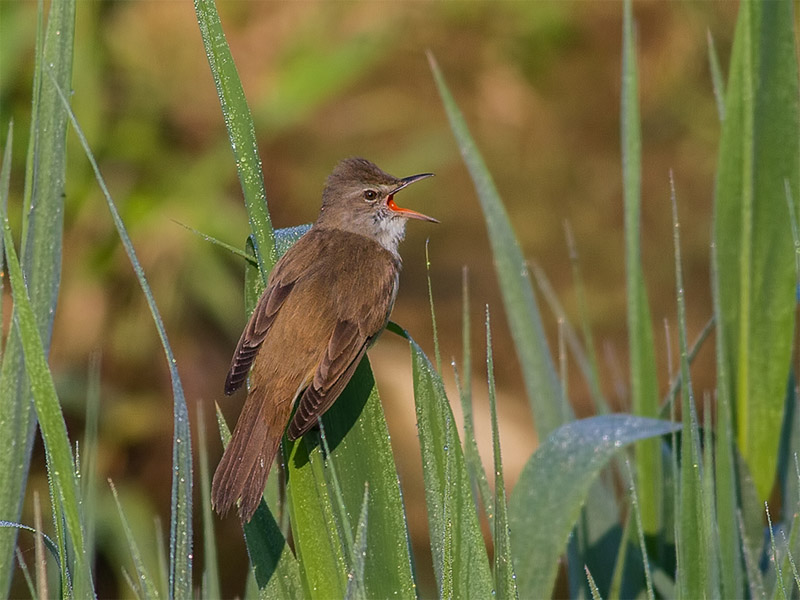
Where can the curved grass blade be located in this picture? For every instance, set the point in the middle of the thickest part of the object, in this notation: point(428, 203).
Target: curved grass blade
point(48, 542)
point(180, 552)
point(241, 132)
point(643, 378)
point(43, 211)
point(541, 380)
point(60, 462)
point(553, 486)
point(759, 151)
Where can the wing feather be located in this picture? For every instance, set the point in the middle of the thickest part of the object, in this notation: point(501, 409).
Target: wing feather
point(254, 333)
point(345, 349)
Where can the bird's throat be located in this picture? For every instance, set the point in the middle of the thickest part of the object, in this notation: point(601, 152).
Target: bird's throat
point(389, 233)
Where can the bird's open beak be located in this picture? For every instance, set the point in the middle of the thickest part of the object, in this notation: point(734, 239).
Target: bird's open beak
point(407, 212)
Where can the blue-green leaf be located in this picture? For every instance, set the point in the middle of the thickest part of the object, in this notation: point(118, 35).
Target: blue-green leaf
point(552, 488)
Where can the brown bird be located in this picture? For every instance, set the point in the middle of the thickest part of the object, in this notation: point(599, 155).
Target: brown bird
point(327, 300)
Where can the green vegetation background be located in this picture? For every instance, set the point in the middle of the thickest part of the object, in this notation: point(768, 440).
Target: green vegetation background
point(539, 84)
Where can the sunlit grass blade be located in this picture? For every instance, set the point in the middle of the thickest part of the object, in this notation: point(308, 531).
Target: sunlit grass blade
point(359, 445)
point(592, 585)
point(436, 353)
point(552, 488)
point(275, 569)
point(181, 507)
point(504, 579)
point(640, 531)
point(355, 578)
point(730, 555)
point(241, 132)
point(145, 585)
point(477, 474)
point(60, 462)
point(789, 562)
point(690, 543)
point(43, 209)
point(759, 152)
point(643, 378)
point(779, 589)
point(342, 520)
point(717, 80)
point(210, 564)
point(460, 562)
point(318, 543)
point(541, 380)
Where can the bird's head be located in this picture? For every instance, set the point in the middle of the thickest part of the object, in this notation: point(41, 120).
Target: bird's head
point(359, 197)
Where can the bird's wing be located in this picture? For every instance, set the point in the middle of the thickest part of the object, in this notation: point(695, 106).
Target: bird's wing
point(255, 332)
point(345, 349)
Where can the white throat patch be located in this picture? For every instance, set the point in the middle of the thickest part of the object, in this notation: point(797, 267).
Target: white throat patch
point(390, 232)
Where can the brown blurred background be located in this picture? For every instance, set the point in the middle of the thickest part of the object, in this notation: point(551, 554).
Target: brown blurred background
point(539, 85)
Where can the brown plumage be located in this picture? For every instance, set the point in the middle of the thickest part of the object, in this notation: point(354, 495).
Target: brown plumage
point(326, 301)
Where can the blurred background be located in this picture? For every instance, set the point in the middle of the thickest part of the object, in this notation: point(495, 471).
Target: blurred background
point(539, 85)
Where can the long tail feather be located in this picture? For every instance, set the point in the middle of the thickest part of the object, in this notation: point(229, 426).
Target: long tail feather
point(246, 462)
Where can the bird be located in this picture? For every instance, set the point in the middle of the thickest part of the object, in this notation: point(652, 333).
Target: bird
point(326, 301)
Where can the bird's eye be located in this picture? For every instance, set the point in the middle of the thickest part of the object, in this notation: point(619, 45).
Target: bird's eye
point(370, 195)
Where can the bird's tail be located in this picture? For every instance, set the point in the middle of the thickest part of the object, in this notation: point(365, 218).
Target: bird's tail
point(246, 462)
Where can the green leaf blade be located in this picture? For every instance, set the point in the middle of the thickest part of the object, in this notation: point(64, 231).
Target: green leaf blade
point(541, 380)
point(60, 461)
point(759, 152)
point(361, 452)
point(459, 556)
point(41, 258)
point(643, 377)
point(552, 488)
point(241, 132)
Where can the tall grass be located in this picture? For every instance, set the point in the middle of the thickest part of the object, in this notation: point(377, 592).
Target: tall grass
point(692, 522)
